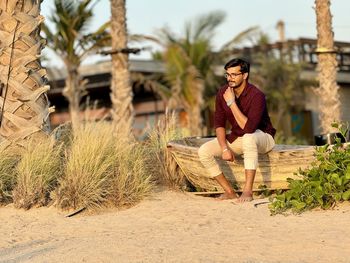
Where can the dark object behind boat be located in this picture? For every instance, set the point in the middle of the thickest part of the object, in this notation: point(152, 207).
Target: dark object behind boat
point(329, 138)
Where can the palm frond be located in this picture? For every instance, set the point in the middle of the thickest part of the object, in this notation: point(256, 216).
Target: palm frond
point(205, 25)
point(241, 37)
point(139, 38)
point(72, 20)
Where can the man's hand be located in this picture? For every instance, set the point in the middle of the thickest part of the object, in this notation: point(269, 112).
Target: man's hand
point(228, 95)
point(227, 155)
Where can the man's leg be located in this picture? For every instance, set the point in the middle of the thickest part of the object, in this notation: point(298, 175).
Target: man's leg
point(252, 144)
point(207, 153)
point(247, 194)
point(229, 193)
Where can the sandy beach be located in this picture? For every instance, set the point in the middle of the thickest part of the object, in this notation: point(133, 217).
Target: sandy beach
point(176, 227)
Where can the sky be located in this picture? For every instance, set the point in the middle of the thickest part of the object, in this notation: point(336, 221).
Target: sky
point(148, 16)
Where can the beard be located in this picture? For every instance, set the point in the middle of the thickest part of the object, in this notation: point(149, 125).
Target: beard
point(234, 84)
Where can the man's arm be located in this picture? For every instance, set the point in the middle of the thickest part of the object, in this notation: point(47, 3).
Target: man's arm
point(220, 123)
point(255, 113)
point(221, 136)
point(248, 123)
point(239, 116)
point(226, 153)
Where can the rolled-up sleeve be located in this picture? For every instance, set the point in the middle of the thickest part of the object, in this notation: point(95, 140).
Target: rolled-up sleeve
point(255, 112)
point(220, 115)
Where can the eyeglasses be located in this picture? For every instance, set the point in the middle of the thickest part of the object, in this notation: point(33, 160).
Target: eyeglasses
point(232, 75)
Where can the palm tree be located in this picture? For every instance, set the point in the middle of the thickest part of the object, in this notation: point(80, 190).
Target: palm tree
point(189, 63)
point(189, 71)
point(73, 43)
point(186, 83)
point(121, 94)
point(327, 67)
point(283, 86)
point(23, 101)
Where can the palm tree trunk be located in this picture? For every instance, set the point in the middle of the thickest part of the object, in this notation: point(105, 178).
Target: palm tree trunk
point(72, 91)
point(195, 121)
point(121, 95)
point(327, 67)
point(23, 101)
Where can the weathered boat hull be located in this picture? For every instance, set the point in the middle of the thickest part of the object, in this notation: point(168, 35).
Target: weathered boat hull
point(274, 168)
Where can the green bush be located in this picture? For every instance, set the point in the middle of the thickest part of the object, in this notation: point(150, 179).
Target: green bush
point(324, 184)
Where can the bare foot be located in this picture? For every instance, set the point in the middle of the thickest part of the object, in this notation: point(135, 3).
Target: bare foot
point(245, 197)
point(227, 196)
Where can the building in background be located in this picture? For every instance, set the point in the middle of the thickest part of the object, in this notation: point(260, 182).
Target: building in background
point(149, 107)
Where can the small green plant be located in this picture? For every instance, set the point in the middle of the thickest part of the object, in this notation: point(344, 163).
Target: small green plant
point(324, 184)
point(264, 191)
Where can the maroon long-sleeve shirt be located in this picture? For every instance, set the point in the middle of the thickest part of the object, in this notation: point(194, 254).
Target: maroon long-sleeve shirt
point(252, 104)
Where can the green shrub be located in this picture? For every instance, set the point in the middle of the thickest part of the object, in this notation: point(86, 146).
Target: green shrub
point(324, 184)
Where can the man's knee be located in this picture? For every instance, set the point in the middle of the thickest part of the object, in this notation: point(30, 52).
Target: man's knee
point(203, 151)
point(249, 140)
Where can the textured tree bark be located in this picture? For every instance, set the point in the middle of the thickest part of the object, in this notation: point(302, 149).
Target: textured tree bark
point(327, 68)
point(194, 120)
point(72, 91)
point(23, 101)
point(121, 90)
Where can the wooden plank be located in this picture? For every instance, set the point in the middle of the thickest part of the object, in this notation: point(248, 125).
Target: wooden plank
point(221, 192)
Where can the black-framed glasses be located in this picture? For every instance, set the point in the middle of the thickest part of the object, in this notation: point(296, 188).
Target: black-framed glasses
point(232, 75)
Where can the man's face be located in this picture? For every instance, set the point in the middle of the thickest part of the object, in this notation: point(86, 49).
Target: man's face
point(234, 77)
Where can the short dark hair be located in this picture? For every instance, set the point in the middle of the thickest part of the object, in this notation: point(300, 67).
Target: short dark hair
point(245, 66)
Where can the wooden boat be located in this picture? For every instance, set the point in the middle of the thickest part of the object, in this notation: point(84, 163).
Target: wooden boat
point(274, 168)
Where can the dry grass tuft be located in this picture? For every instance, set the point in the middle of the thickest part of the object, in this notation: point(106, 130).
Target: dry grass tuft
point(90, 163)
point(8, 162)
point(131, 181)
point(37, 173)
point(101, 170)
point(163, 166)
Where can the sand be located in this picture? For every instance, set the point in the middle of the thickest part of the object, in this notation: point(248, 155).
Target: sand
point(176, 227)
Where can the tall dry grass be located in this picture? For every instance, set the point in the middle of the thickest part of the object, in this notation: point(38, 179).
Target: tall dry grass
point(90, 163)
point(90, 167)
point(163, 166)
point(8, 162)
point(102, 169)
point(132, 180)
point(37, 173)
